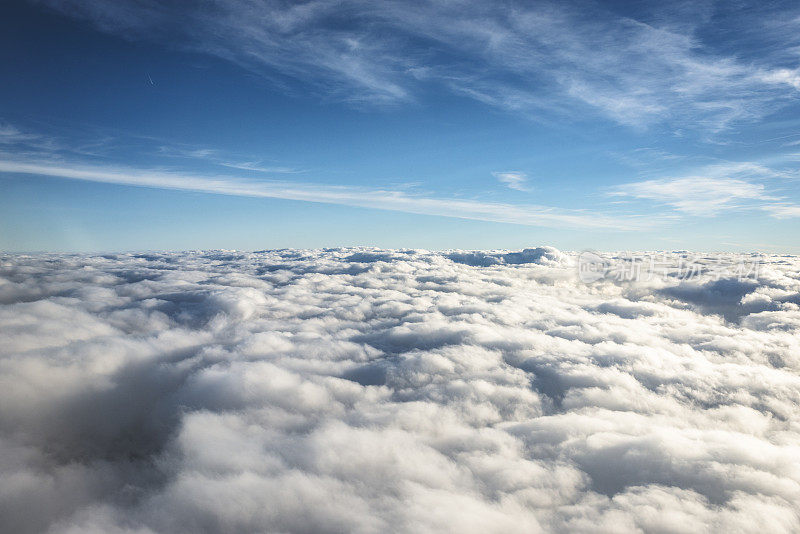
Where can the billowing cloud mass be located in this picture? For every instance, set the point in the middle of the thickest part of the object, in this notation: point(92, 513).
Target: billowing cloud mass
point(362, 390)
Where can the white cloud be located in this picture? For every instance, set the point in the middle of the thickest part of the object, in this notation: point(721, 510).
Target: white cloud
point(394, 200)
point(787, 76)
point(513, 179)
point(783, 211)
point(364, 390)
point(714, 189)
point(696, 195)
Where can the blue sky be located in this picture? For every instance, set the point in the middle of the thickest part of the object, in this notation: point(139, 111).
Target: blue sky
point(138, 125)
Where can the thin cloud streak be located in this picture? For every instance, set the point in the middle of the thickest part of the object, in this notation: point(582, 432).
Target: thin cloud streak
point(257, 167)
point(528, 215)
point(695, 195)
point(782, 211)
point(711, 190)
point(213, 156)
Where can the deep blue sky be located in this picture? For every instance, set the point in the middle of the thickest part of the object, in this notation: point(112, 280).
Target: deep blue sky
point(243, 124)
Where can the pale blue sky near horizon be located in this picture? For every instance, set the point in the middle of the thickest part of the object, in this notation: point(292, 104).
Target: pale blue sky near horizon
point(253, 125)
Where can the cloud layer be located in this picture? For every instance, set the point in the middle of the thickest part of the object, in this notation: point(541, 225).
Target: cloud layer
point(363, 390)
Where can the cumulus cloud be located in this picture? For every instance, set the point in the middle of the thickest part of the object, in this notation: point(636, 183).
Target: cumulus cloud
point(365, 390)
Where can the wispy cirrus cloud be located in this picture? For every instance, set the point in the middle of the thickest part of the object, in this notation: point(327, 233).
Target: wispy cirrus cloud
point(20, 140)
point(34, 154)
point(260, 166)
point(9, 134)
point(536, 59)
point(95, 144)
point(383, 199)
